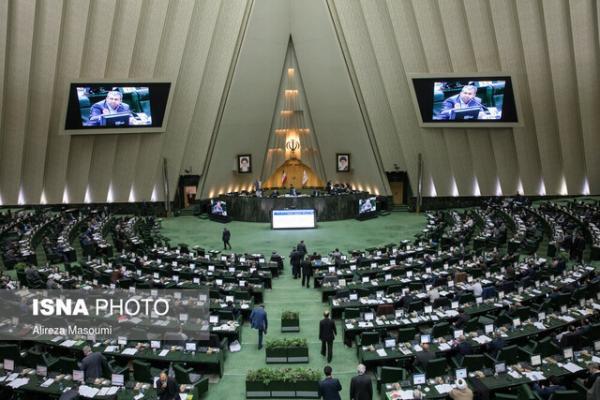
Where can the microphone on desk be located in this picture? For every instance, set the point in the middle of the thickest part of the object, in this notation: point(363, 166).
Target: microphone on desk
point(481, 105)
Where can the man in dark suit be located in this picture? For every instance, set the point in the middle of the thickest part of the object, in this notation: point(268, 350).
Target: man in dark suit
point(226, 238)
point(295, 258)
point(327, 332)
point(424, 356)
point(463, 318)
point(462, 347)
point(361, 387)
point(465, 99)
point(113, 104)
point(496, 344)
point(330, 387)
point(306, 268)
point(92, 363)
point(258, 320)
point(166, 387)
point(545, 391)
point(301, 247)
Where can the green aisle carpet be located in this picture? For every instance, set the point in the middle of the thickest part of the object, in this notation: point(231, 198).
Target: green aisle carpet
point(287, 294)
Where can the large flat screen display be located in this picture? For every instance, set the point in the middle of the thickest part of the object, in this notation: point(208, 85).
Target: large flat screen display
point(367, 205)
point(117, 107)
point(293, 219)
point(460, 101)
point(218, 207)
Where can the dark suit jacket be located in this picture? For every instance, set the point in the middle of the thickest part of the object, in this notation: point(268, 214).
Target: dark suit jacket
point(258, 319)
point(450, 102)
point(306, 267)
point(327, 330)
point(423, 357)
point(170, 392)
point(98, 108)
point(91, 365)
point(302, 248)
point(361, 388)
point(464, 349)
point(329, 389)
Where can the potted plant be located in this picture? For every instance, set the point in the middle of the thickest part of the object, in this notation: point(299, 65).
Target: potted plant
point(285, 382)
point(257, 382)
point(290, 321)
point(297, 350)
point(276, 351)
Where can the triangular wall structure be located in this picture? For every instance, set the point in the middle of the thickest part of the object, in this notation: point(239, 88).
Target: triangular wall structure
point(292, 135)
point(336, 121)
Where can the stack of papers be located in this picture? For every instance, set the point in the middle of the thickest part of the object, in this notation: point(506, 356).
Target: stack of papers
point(111, 349)
point(381, 352)
point(17, 383)
point(47, 383)
point(87, 391)
point(444, 347)
point(129, 351)
point(445, 388)
point(68, 343)
point(535, 375)
point(571, 367)
point(163, 353)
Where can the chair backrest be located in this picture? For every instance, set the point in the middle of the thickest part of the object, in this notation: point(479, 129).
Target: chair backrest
point(415, 306)
point(473, 362)
point(367, 338)
point(509, 354)
point(393, 374)
point(10, 351)
point(546, 347)
point(351, 313)
point(466, 298)
point(66, 365)
point(565, 395)
point(182, 376)
point(436, 367)
point(385, 309)
point(442, 302)
point(226, 315)
point(141, 372)
point(440, 329)
point(406, 334)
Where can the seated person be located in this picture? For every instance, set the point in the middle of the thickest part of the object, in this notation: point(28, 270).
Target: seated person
point(546, 390)
point(465, 99)
point(112, 104)
point(166, 388)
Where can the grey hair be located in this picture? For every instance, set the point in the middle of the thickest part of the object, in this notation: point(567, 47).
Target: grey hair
point(469, 87)
point(87, 349)
point(115, 93)
point(361, 369)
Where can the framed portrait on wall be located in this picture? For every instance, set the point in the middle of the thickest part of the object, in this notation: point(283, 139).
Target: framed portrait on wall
point(343, 162)
point(244, 163)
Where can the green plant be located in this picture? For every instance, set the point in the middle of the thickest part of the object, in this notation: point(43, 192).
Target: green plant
point(284, 342)
point(267, 375)
point(289, 315)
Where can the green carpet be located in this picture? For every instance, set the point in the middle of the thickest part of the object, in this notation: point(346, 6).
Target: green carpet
point(287, 294)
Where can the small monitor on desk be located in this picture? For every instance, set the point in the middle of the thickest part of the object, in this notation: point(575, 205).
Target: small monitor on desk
point(389, 343)
point(190, 346)
point(489, 328)
point(78, 376)
point(9, 365)
point(425, 339)
point(465, 114)
point(517, 322)
point(418, 379)
point(115, 120)
point(122, 341)
point(536, 360)
point(353, 296)
point(41, 370)
point(500, 367)
point(428, 309)
point(567, 353)
point(454, 304)
point(155, 344)
point(597, 345)
point(369, 316)
point(117, 379)
point(461, 373)
point(213, 319)
point(458, 333)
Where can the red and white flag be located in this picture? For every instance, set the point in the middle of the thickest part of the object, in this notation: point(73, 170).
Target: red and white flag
point(304, 178)
point(283, 178)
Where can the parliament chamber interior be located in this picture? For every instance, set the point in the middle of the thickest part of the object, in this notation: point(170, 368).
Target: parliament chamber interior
point(299, 199)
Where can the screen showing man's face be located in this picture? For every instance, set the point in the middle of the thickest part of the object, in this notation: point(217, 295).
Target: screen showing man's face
point(466, 95)
point(113, 100)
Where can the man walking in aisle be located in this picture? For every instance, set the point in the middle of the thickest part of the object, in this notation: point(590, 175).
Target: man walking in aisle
point(327, 332)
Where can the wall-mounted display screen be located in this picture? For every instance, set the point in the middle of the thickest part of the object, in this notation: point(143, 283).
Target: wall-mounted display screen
point(457, 101)
point(293, 219)
point(117, 107)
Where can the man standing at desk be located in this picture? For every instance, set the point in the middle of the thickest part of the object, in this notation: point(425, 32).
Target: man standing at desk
point(113, 104)
point(465, 99)
point(92, 363)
